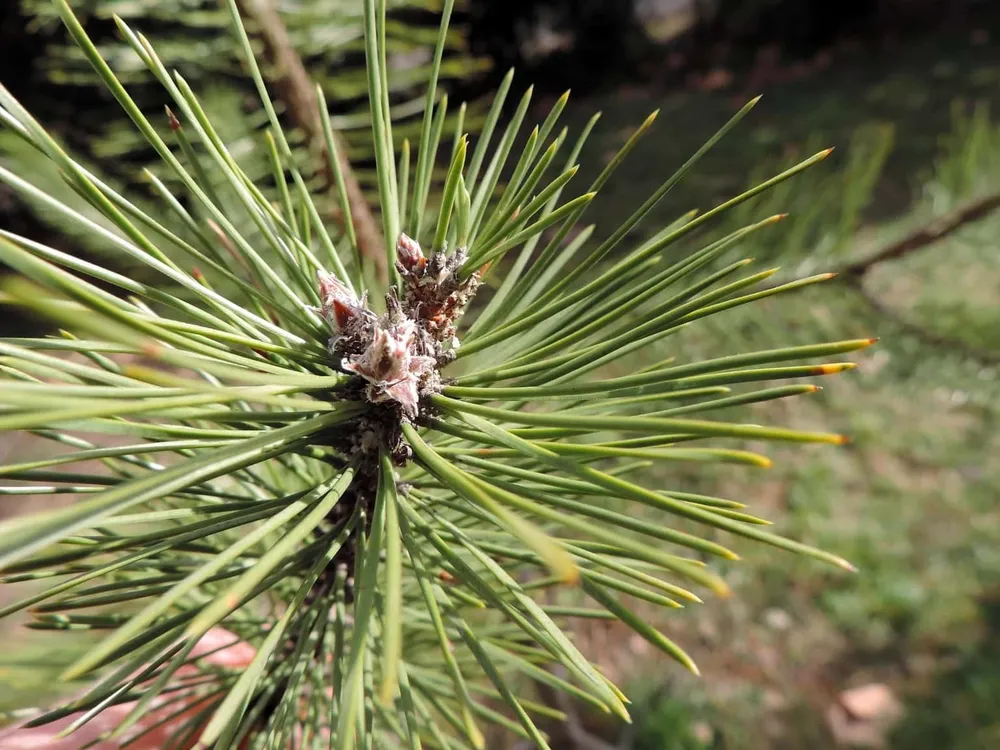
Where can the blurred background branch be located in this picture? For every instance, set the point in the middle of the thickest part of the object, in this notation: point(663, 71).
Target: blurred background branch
point(934, 232)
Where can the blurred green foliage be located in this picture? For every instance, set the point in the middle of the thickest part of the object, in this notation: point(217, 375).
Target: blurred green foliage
point(961, 711)
point(194, 38)
point(912, 501)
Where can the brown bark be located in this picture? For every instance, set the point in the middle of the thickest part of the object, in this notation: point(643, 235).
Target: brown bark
point(935, 231)
point(854, 274)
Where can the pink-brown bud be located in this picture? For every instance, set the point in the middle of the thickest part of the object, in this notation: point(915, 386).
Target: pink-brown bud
point(409, 254)
point(340, 306)
point(172, 120)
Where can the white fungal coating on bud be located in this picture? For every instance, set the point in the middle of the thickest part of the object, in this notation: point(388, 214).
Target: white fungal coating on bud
point(393, 369)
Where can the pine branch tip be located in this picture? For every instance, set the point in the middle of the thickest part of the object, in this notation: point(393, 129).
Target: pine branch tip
point(571, 579)
point(119, 22)
point(833, 368)
point(622, 713)
point(72, 673)
point(67, 730)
